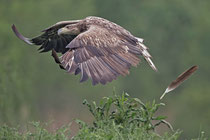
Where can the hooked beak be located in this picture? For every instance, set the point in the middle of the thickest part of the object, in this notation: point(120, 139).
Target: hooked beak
point(62, 31)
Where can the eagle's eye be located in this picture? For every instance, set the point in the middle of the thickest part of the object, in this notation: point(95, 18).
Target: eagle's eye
point(68, 27)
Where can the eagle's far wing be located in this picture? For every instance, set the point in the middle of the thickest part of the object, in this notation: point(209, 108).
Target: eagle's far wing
point(49, 39)
point(99, 55)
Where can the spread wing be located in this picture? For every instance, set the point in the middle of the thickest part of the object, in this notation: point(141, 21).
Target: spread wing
point(49, 39)
point(100, 55)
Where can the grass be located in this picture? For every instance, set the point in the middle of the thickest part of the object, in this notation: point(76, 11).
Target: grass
point(115, 118)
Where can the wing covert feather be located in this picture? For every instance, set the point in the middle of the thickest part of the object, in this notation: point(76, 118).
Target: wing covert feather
point(100, 55)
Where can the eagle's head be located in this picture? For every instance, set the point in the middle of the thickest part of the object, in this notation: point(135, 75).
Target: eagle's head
point(71, 29)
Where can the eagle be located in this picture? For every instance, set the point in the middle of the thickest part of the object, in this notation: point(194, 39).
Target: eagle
point(94, 47)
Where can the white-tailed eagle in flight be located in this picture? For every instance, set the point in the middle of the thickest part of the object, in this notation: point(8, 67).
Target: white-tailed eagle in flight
point(95, 47)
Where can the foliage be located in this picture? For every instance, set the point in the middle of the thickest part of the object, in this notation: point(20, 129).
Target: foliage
point(121, 117)
point(117, 117)
point(127, 111)
point(37, 132)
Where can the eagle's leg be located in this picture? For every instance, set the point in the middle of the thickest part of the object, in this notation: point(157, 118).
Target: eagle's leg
point(57, 60)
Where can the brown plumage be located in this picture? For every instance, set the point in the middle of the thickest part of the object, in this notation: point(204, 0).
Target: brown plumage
point(95, 47)
point(181, 78)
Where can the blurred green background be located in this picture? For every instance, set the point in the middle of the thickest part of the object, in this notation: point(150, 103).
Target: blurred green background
point(32, 87)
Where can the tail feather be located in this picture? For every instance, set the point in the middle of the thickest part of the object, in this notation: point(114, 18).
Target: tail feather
point(151, 63)
point(146, 54)
point(140, 39)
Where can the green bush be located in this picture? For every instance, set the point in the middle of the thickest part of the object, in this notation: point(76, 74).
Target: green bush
point(121, 117)
point(115, 118)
